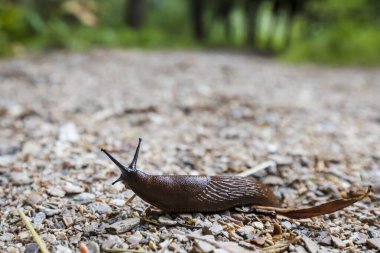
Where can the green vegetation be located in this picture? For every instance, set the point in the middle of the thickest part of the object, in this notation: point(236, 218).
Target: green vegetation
point(338, 32)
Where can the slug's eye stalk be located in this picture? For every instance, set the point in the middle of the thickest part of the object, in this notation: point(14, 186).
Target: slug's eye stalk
point(136, 156)
point(123, 169)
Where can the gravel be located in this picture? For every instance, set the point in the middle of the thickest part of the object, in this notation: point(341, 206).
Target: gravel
point(198, 113)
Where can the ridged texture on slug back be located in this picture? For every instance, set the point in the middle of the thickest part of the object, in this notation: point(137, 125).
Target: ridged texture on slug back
point(199, 193)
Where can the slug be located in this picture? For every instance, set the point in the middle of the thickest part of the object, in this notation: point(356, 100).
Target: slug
point(184, 193)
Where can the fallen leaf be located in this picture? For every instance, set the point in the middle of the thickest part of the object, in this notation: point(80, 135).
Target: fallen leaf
point(308, 212)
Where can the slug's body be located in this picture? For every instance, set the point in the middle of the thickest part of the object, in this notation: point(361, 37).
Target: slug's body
point(180, 193)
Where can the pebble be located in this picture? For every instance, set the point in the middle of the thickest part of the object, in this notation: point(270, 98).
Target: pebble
point(215, 228)
point(84, 198)
point(118, 202)
point(286, 224)
point(20, 178)
point(6, 160)
point(204, 247)
point(49, 211)
point(72, 188)
point(374, 243)
point(259, 240)
point(62, 249)
point(111, 241)
point(100, 208)
point(68, 132)
point(68, 220)
point(123, 226)
point(300, 249)
point(310, 245)
point(24, 235)
point(258, 225)
point(135, 238)
point(246, 231)
point(273, 180)
point(39, 218)
point(338, 242)
point(92, 247)
point(166, 220)
point(55, 191)
point(7, 237)
point(32, 248)
point(34, 198)
point(326, 241)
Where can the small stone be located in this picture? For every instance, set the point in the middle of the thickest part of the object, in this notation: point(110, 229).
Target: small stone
point(55, 191)
point(68, 132)
point(34, 198)
point(49, 211)
point(123, 226)
point(118, 202)
point(281, 160)
point(258, 225)
point(286, 224)
point(359, 238)
point(62, 249)
point(68, 220)
point(310, 245)
point(100, 208)
point(24, 235)
point(215, 228)
point(135, 238)
point(338, 242)
point(72, 188)
point(204, 246)
point(20, 178)
point(273, 180)
point(326, 241)
point(300, 249)
point(7, 237)
point(166, 220)
point(152, 245)
point(374, 243)
point(111, 241)
point(259, 240)
point(246, 231)
point(31, 148)
point(84, 198)
point(32, 248)
point(92, 247)
point(39, 218)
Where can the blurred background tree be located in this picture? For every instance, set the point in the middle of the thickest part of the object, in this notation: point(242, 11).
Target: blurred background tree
point(323, 31)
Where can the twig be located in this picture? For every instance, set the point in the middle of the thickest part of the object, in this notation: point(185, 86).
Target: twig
point(124, 250)
point(36, 237)
point(257, 168)
point(130, 199)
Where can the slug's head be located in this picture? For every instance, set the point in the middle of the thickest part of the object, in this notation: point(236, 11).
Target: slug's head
point(125, 171)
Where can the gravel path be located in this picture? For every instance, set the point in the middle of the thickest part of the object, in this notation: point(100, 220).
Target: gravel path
point(198, 113)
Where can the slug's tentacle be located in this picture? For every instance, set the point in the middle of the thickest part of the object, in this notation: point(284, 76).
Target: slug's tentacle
point(121, 167)
point(136, 156)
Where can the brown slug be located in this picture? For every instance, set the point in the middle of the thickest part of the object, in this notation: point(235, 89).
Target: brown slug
point(183, 193)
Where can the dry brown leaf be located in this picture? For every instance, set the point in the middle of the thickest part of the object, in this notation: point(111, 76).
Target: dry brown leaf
point(308, 212)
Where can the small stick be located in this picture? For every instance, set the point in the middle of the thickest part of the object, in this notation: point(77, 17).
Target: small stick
point(124, 250)
point(130, 199)
point(36, 237)
point(257, 168)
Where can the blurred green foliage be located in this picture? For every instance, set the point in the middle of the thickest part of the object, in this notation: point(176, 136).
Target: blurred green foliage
point(340, 32)
point(327, 31)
